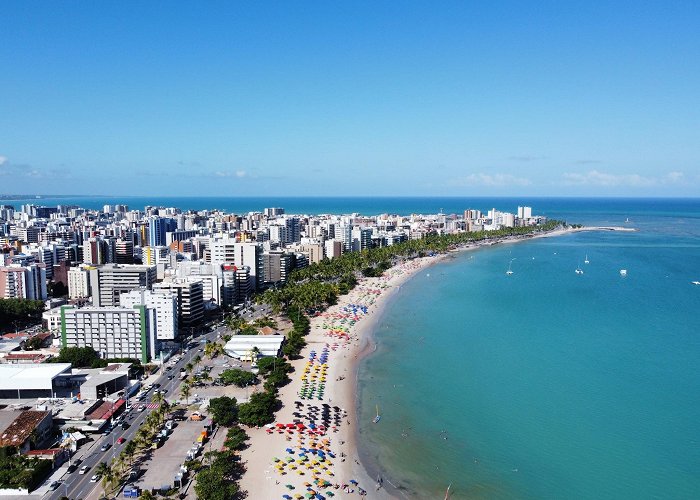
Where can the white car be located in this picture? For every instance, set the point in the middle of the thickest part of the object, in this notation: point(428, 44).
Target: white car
point(95, 478)
point(83, 469)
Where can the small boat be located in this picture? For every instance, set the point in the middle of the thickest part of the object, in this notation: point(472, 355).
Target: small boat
point(447, 493)
point(628, 219)
point(586, 261)
point(696, 282)
point(510, 271)
point(579, 270)
point(623, 272)
point(378, 417)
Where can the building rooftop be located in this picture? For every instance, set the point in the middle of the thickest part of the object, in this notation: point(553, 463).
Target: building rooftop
point(30, 376)
point(21, 428)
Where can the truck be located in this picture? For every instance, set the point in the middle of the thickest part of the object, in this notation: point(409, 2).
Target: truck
point(183, 375)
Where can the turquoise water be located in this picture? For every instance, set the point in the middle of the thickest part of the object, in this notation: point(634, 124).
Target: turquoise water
point(548, 384)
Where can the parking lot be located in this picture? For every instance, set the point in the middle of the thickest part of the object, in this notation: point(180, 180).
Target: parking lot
point(165, 461)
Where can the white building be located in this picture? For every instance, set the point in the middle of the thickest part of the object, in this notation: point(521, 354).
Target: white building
point(190, 301)
point(110, 281)
point(164, 305)
point(241, 346)
point(78, 282)
point(113, 332)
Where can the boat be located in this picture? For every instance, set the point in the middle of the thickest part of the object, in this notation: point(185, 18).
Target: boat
point(378, 417)
point(628, 219)
point(623, 272)
point(579, 270)
point(586, 261)
point(447, 493)
point(696, 282)
point(510, 271)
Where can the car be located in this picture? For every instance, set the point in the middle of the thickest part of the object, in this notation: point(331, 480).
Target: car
point(142, 408)
point(125, 425)
point(54, 485)
point(72, 468)
point(121, 440)
point(105, 447)
point(156, 386)
point(84, 469)
point(170, 377)
point(95, 478)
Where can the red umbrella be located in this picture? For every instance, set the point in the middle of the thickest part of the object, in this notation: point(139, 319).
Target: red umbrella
point(290, 426)
point(280, 426)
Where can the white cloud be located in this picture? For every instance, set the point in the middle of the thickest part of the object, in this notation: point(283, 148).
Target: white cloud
point(482, 179)
point(3, 160)
point(597, 178)
point(225, 173)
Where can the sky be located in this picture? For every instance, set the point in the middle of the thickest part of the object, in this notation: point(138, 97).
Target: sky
point(373, 98)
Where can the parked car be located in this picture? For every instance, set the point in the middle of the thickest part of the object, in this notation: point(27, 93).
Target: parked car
point(54, 485)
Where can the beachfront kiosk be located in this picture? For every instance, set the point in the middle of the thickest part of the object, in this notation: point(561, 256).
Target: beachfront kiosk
point(240, 346)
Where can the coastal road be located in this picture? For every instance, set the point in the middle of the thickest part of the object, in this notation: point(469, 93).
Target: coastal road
point(78, 486)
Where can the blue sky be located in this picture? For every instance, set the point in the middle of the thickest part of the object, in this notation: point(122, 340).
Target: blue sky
point(330, 98)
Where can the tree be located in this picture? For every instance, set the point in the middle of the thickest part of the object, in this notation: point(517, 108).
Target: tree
point(237, 377)
point(224, 410)
point(189, 367)
point(236, 438)
point(80, 357)
point(212, 485)
point(185, 392)
point(259, 410)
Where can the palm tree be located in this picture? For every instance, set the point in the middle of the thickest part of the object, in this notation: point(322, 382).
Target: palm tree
point(189, 367)
point(105, 471)
point(129, 451)
point(197, 359)
point(185, 392)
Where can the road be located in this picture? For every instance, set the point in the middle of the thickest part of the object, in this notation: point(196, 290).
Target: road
point(78, 486)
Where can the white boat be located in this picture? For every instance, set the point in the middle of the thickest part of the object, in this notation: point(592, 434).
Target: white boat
point(623, 272)
point(696, 282)
point(510, 271)
point(586, 261)
point(378, 417)
point(579, 270)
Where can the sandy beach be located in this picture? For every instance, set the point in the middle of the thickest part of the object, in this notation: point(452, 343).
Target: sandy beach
point(290, 458)
point(339, 337)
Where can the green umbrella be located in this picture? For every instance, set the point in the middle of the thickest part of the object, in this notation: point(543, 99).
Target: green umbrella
point(330, 494)
point(290, 486)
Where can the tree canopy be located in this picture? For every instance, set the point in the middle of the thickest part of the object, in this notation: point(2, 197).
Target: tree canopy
point(17, 313)
point(224, 410)
point(259, 410)
point(239, 378)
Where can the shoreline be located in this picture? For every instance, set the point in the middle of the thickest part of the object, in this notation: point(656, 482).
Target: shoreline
point(347, 344)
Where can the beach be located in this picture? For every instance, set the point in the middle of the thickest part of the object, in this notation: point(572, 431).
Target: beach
point(340, 336)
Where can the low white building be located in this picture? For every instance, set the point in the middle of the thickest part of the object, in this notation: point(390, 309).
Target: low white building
point(242, 346)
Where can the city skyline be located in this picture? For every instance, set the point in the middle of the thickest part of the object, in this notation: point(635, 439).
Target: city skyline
point(350, 99)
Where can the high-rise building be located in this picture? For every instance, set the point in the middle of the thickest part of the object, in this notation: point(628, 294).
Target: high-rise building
point(157, 229)
point(78, 283)
point(23, 282)
point(108, 282)
point(164, 305)
point(125, 251)
point(113, 332)
point(190, 299)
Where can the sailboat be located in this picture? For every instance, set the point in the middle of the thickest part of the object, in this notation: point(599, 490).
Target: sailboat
point(510, 271)
point(586, 261)
point(378, 417)
point(579, 270)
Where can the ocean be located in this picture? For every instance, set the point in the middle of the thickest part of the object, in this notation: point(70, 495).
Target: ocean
point(542, 384)
point(546, 383)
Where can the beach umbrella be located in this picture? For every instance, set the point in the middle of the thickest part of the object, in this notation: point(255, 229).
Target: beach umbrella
point(309, 495)
point(289, 486)
point(352, 481)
